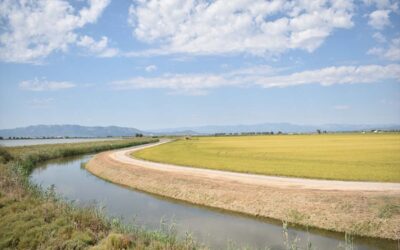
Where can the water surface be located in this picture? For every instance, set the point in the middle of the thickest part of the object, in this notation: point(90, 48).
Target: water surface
point(28, 142)
point(212, 227)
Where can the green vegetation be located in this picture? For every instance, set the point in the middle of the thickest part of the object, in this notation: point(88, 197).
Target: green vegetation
point(31, 218)
point(365, 157)
point(27, 157)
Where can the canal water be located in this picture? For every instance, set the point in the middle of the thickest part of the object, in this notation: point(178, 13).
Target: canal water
point(29, 142)
point(213, 228)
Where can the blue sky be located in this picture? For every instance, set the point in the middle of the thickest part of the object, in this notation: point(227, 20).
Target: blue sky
point(160, 64)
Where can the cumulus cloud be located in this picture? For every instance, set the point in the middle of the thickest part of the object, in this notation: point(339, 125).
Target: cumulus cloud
point(379, 37)
point(262, 76)
point(390, 52)
point(44, 85)
point(151, 68)
point(99, 48)
point(251, 26)
point(383, 4)
point(379, 19)
point(32, 30)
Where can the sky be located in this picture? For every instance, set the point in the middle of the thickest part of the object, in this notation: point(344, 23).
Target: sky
point(174, 63)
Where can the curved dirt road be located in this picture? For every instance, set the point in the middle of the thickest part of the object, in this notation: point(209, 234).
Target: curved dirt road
point(124, 156)
point(342, 206)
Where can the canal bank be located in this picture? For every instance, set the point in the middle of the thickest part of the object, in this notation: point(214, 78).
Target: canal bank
point(214, 228)
point(359, 212)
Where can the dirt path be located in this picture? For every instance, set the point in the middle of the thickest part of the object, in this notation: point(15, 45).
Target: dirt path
point(362, 208)
point(124, 156)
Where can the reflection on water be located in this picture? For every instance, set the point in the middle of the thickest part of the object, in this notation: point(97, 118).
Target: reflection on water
point(211, 227)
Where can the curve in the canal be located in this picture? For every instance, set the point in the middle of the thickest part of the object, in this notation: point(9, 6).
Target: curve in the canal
point(216, 229)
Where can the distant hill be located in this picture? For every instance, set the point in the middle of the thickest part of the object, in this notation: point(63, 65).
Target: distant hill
point(84, 131)
point(68, 130)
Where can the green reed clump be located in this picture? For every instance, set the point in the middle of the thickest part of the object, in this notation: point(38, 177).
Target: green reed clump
point(27, 157)
point(5, 156)
point(33, 218)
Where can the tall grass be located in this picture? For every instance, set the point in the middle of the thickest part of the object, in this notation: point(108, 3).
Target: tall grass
point(32, 218)
point(27, 157)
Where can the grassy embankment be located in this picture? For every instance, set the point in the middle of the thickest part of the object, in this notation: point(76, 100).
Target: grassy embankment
point(362, 157)
point(31, 218)
point(372, 214)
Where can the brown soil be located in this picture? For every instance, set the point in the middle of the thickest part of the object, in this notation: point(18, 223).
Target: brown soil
point(366, 213)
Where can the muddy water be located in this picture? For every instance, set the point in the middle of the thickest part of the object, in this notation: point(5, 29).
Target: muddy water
point(214, 228)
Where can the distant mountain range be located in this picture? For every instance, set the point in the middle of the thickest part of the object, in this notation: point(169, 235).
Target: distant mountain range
point(68, 130)
point(84, 131)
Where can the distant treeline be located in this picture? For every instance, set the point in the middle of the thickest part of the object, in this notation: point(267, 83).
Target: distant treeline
point(318, 131)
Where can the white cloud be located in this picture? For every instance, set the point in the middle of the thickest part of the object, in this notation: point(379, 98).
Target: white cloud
point(262, 76)
point(379, 19)
point(383, 4)
point(379, 37)
point(32, 30)
point(189, 84)
point(250, 26)
point(391, 52)
point(44, 85)
point(341, 107)
point(90, 15)
point(376, 51)
point(151, 68)
point(41, 103)
point(335, 75)
point(99, 48)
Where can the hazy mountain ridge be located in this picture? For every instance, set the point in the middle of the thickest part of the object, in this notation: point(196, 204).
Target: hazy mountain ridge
point(99, 131)
point(68, 130)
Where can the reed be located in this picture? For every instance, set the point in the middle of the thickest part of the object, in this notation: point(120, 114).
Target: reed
point(33, 218)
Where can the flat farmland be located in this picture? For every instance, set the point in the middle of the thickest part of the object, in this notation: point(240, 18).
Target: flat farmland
point(362, 157)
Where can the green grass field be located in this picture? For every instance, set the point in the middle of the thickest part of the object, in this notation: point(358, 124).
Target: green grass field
point(366, 157)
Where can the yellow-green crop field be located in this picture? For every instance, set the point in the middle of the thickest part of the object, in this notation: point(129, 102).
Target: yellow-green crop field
point(366, 157)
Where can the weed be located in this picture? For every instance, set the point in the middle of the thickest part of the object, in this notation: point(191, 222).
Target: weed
point(32, 218)
point(388, 210)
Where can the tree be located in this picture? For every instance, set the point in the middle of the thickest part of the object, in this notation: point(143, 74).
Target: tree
point(319, 131)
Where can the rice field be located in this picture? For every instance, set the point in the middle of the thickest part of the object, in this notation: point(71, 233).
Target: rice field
point(362, 157)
